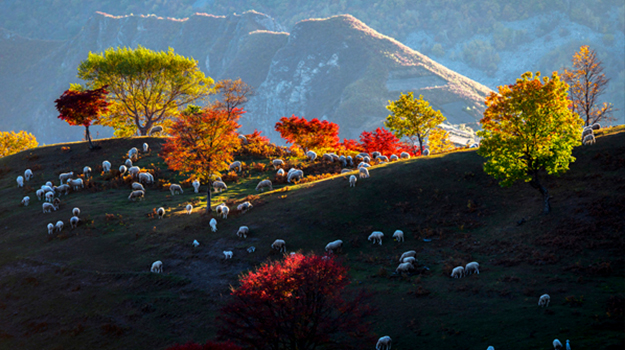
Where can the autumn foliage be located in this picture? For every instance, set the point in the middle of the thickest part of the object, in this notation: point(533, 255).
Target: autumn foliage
point(298, 303)
point(308, 135)
point(13, 142)
point(82, 107)
point(383, 141)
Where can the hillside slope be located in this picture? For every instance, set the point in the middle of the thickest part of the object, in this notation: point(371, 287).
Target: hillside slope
point(90, 287)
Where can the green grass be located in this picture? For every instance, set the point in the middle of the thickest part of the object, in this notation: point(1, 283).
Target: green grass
point(91, 288)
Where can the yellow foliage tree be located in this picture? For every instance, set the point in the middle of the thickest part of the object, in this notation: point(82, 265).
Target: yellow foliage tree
point(12, 142)
point(439, 141)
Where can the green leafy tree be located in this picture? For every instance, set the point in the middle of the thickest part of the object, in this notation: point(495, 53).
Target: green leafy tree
point(146, 87)
point(412, 118)
point(13, 142)
point(528, 129)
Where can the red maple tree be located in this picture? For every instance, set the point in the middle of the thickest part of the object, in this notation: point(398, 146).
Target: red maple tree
point(350, 145)
point(298, 303)
point(308, 135)
point(82, 108)
point(383, 141)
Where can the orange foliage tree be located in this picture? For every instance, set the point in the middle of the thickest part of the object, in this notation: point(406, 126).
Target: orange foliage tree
point(82, 108)
point(202, 142)
point(381, 140)
point(298, 303)
point(308, 134)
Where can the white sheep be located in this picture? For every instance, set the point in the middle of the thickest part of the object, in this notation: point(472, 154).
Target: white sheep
point(410, 259)
point(160, 212)
point(491, 348)
point(25, 201)
point(173, 188)
point(146, 177)
point(328, 157)
point(219, 186)
point(49, 197)
point(133, 153)
point(279, 245)
point(243, 231)
point(20, 181)
point(134, 171)
point(589, 140)
point(63, 189)
point(189, 209)
point(65, 176)
point(137, 186)
point(595, 126)
point(50, 228)
point(40, 193)
point(264, 184)
point(352, 181)
point(128, 163)
point(73, 221)
point(157, 267)
point(382, 159)
point(350, 161)
point(296, 174)
point(399, 235)
point(213, 224)
point(145, 147)
point(47, 188)
point(404, 267)
point(334, 246)
point(251, 249)
point(363, 165)
point(404, 155)
point(375, 154)
point(343, 161)
point(76, 183)
point(59, 226)
point(243, 139)
point(384, 343)
point(76, 211)
point(106, 166)
point(568, 345)
point(457, 272)
point(48, 207)
point(394, 158)
point(363, 173)
point(277, 163)
point(155, 130)
point(196, 186)
point(366, 159)
point(407, 254)
point(343, 171)
point(472, 267)
point(556, 344)
point(376, 236)
point(196, 243)
point(136, 194)
point(86, 171)
point(28, 174)
point(544, 300)
point(227, 254)
point(244, 207)
point(474, 145)
point(223, 210)
point(311, 155)
point(426, 152)
point(280, 172)
point(122, 170)
point(235, 165)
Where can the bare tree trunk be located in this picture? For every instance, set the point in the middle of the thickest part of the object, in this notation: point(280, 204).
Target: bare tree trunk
point(537, 185)
point(88, 137)
point(208, 199)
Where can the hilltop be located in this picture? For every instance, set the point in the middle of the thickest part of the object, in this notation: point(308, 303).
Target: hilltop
point(90, 287)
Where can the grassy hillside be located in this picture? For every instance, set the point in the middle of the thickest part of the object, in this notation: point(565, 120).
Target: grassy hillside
point(91, 288)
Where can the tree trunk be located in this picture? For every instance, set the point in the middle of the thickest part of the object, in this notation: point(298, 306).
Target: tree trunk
point(142, 130)
point(537, 185)
point(208, 199)
point(88, 137)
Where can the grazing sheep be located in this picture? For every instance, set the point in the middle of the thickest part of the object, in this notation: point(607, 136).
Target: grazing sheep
point(376, 236)
point(556, 344)
point(134, 171)
point(343, 161)
point(48, 207)
point(491, 348)
point(189, 209)
point(86, 171)
point(595, 126)
point(544, 300)
point(73, 221)
point(382, 159)
point(155, 130)
point(26, 201)
point(404, 155)
point(196, 243)
point(28, 174)
point(472, 267)
point(122, 170)
point(227, 254)
point(235, 165)
point(243, 139)
point(213, 224)
point(59, 226)
point(277, 163)
point(49, 197)
point(366, 159)
point(474, 145)
point(173, 188)
point(359, 158)
point(328, 157)
point(426, 152)
point(399, 235)
point(137, 186)
point(457, 272)
point(145, 148)
point(295, 175)
point(334, 246)
point(375, 154)
point(219, 186)
point(363, 173)
point(223, 210)
point(157, 267)
point(128, 163)
point(279, 245)
point(56, 202)
point(343, 171)
point(363, 165)
point(244, 207)
point(263, 184)
point(76, 212)
point(160, 212)
point(196, 186)
point(352, 181)
point(407, 254)
point(589, 140)
point(65, 176)
point(106, 166)
point(350, 161)
point(133, 153)
point(20, 181)
point(568, 345)
point(136, 194)
point(76, 183)
point(243, 231)
point(146, 177)
point(280, 172)
point(251, 249)
point(404, 267)
point(384, 343)
point(410, 259)
point(48, 186)
point(50, 228)
point(40, 193)
point(63, 189)
point(46, 189)
point(394, 158)
point(311, 155)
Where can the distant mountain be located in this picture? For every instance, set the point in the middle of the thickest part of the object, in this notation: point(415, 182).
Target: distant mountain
point(336, 69)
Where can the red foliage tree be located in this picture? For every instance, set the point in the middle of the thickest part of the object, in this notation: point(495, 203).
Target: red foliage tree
point(383, 141)
point(299, 303)
point(82, 107)
point(202, 142)
point(308, 134)
point(210, 345)
point(351, 145)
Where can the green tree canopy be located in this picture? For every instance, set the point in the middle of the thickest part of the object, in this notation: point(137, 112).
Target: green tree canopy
point(527, 129)
point(412, 118)
point(146, 87)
